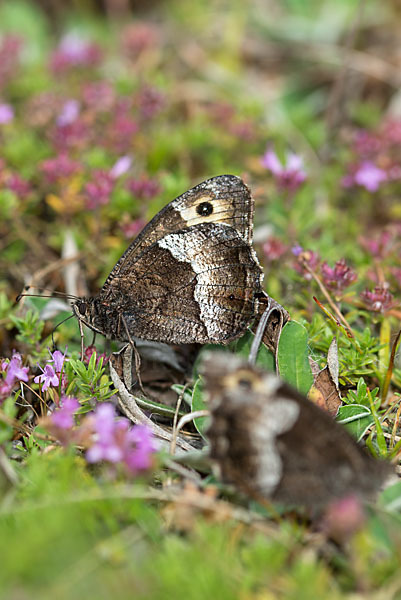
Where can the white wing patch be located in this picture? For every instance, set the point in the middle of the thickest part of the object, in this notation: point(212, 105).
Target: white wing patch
point(187, 246)
point(277, 416)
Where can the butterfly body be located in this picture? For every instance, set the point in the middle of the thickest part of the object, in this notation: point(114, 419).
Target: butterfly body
point(190, 276)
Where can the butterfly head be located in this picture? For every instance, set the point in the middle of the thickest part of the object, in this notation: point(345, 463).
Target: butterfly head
point(227, 374)
point(85, 311)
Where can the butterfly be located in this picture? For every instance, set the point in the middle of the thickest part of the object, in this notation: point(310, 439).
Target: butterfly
point(191, 275)
point(272, 443)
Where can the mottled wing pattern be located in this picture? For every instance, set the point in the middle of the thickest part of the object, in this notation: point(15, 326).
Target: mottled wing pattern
point(273, 443)
point(231, 204)
point(195, 284)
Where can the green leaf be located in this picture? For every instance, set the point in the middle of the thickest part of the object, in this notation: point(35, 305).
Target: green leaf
point(356, 418)
point(390, 498)
point(265, 358)
point(242, 346)
point(198, 403)
point(293, 357)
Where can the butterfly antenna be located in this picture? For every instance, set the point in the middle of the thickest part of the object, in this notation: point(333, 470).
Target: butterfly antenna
point(53, 293)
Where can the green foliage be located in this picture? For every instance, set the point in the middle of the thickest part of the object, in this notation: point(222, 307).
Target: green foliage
point(29, 327)
point(293, 358)
point(88, 382)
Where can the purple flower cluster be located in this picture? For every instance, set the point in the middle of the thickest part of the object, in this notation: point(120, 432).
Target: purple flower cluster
point(75, 51)
point(84, 113)
point(383, 244)
point(117, 442)
point(6, 113)
point(379, 300)
point(225, 117)
point(139, 38)
point(89, 350)
point(305, 257)
point(367, 175)
point(274, 249)
point(14, 182)
point(143, 187)
point(60, 167)
point(338, 277)
point(106, 437)
point(131, 229)
point(13, 371)
point(63, 416)
point(52, 372)
point(376, 157)
point(343, 518)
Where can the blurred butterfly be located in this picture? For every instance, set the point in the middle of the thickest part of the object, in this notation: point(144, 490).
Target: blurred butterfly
point(274, 444)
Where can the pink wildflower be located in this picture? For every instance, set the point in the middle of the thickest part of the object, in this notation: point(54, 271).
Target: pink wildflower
point(289, 176)
point(6, 114)
point(380, 300)
point(338, 277)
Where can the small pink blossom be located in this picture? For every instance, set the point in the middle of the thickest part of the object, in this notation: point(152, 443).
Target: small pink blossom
point(63, 417)
point(71, 136)
point(380, 300)
point(88, 355)
point(121, 132)
point(60, 167)
point(274, 248)
point(144, 187)
point(289, 176)
point(150, 102)
point(121, 167)
point(338, 277)
point(139, 37)
point(343, 518)
point(99, 96)
point(69, 113)
point(381, 245)
point(116, 442)
point(131, 229)
point(47, 378)
point(75, 51)
point(305, 257)
point(99, 189)
point(18, 185)
point(6, 114)
point(13, 371)
point(58, 359)
point(369, 176)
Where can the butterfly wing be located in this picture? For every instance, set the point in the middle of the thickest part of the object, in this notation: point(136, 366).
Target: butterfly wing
point(196, 284)
point(224, 199)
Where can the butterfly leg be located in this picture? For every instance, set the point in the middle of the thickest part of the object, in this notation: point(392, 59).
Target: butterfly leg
point(137, 357)
point(81, 331)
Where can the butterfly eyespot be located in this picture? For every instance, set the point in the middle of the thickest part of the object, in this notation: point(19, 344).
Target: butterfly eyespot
point(82, 307)
point(204, 209)
point(245, 383)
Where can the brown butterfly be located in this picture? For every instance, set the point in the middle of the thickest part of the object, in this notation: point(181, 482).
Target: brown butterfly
point(273, 444)
point(190, 276)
